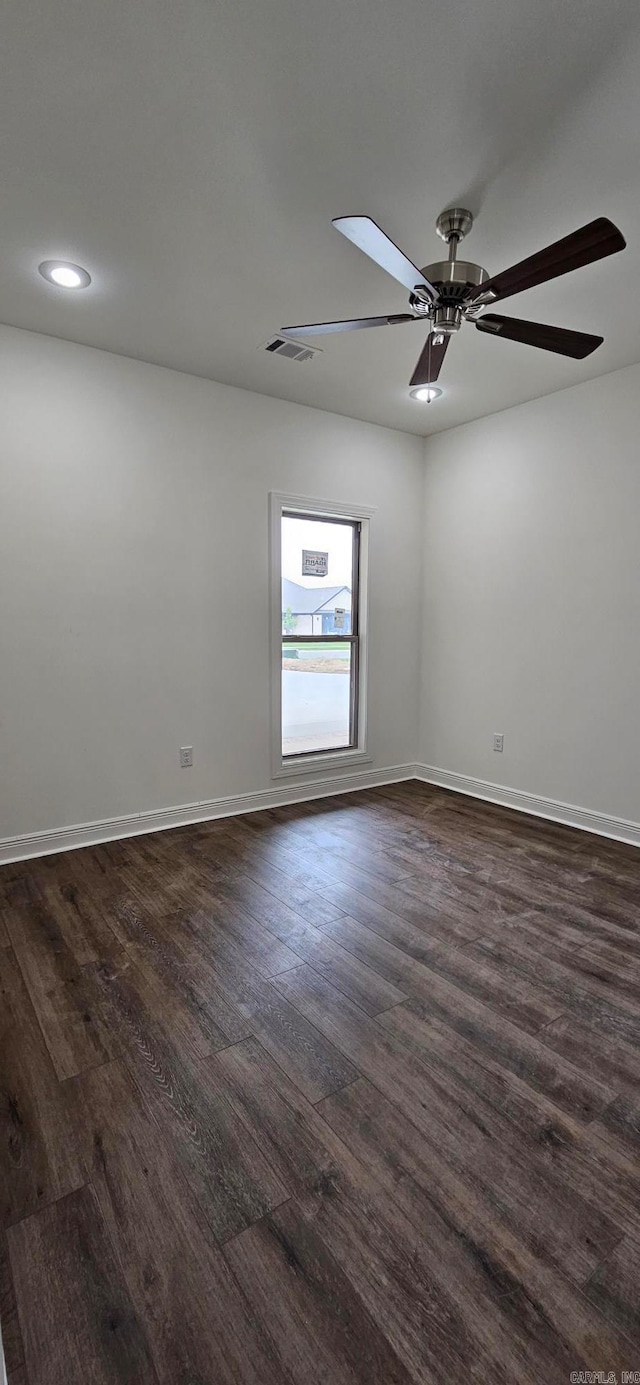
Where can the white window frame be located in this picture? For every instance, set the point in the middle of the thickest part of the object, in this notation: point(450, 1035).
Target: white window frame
point(324, 760)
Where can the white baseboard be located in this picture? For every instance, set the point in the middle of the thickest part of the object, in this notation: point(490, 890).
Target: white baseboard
point(603, 824)
point(43, 843)
point(157, 820)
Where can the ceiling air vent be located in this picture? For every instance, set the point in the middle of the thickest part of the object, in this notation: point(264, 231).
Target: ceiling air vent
point(293, 350)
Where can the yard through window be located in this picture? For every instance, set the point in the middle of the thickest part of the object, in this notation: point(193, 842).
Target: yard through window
point(320, 567)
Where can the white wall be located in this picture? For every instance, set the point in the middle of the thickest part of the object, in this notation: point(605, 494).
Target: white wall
point(134, 579)
point(532, 597)
point(134, 593)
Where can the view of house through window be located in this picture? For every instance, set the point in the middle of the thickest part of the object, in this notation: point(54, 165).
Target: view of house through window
point(320, 559)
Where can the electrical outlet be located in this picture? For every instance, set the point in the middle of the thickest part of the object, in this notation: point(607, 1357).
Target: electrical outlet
point(498, 742)
point(186, 756)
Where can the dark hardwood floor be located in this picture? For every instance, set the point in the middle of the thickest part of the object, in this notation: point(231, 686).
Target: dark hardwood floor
point(342, 1092)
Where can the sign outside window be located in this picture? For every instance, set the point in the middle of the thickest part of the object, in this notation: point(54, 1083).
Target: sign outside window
point(314, 563)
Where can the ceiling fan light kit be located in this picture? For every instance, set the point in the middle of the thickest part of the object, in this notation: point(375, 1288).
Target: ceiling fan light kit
point(449, 292)
point(425, 394)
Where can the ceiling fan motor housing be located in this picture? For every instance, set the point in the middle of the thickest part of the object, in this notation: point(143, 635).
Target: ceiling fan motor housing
point(452, 280)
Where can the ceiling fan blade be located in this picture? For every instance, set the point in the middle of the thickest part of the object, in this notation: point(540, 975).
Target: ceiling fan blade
point(368, 237)
point(318, 329)
point(593, 242)
point(430, 361)
point(565, 343)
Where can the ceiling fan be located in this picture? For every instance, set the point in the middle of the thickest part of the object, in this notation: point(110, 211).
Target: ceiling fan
point(452, 291)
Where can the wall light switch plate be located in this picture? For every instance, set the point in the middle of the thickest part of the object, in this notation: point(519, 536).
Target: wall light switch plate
point(498, 742)
point(186, 756)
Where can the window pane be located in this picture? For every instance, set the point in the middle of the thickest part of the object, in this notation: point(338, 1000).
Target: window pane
point(317, 576)
point(316, 697)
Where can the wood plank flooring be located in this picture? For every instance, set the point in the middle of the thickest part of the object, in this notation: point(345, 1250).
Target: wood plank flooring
point(342, 1092)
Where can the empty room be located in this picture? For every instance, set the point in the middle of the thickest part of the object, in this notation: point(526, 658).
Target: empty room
point(319, 693)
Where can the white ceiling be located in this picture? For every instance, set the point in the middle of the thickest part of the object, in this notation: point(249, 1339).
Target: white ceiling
point(192, 155)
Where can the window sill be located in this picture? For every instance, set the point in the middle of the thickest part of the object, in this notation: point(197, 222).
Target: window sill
point(325, 760)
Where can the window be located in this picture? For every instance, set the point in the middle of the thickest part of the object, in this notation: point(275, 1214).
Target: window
point(317, 581)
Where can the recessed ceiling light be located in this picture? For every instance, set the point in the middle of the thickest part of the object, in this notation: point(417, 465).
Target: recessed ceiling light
point(426, 393)
point(64, 275)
